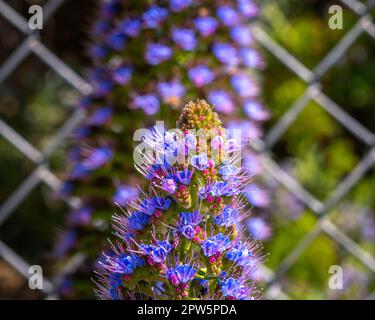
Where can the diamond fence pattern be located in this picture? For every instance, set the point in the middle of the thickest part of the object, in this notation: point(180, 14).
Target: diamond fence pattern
point(32, 45)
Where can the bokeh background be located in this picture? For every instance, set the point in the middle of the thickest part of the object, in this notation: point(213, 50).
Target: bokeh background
point(317, 151)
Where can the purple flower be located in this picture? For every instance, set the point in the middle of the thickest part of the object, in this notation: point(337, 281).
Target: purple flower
point(249, 130)
point(242, 35)
point(116, 40)
point(228, 217)
point(100, 28)
point(169, 185)
point(154, 16)
point(179, 5)
point(138, 220)
point(161, 203)
point(184, 176)
point(158, 253)
point(239, 254)
point(171, 92)
point(257, 196)
point(109, 9)
point(206, 26)
point(65, 241)
point(251, 58)
point(228, 171)
point(80, 217)
point(125, 194)
point(201, 75)
point(131, 27)
point(248, 8)
point(233, 288)
point(188, 231)
point(200, 162)
point(244, 85)
point(98, 157)
point(122, 75)
point(181, 274)
point(149, 103)
point(157, 53)
point(189, 218)
point(185, 38)
point(99, 52)
point(228, 15)
point(101, 116)
point(215, 244)
point(127, 263)
point(221, 100)
point(255, 111)
point(103, 87)
point(258, 228)
point(226, 54)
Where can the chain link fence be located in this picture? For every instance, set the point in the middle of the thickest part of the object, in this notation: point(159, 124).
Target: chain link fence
point(32, 45)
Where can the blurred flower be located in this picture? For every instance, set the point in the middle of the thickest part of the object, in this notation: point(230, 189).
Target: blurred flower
point(185, 38)
point(201, 75)
point(221, 100)
point(157, 53)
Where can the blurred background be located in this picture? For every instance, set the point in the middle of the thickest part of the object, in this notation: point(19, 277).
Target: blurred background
point(317, 152)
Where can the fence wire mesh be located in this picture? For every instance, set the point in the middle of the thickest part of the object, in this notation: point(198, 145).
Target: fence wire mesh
point(33, 45)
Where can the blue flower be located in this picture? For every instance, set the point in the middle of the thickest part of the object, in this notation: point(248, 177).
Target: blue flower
point(158, 253)
point(244, 85)
point(80, 217)
point(131, 27)
point(258, 228)
point(184, 176)
point(228, 15)
point(169, 185)
point(127, 263)
point(226, 53)
point(185, 38)
point(154, 16)
point(100, 28)
point(122, 75)
point(99, 52)
point(189, 218)
point(215, 244)
point(188, 231)
point(101, 116)
point(228, 217)
point(257, 196)
point(181, 274)
point(161, 203)
point(228, 171)
point(233, 288)
point(248, 8)
point(200, 162)
point(255, 111)
point(157, 53)
point(221, 100)
point(201, 75)
point(117, 40)
point(242, 35)
point(147, 206)
point(124, 194)
point(239, 254)
point(171, 92)
point(179, 5)
point(149, 103)
point(204, 192)
point(138, 220)
point(206, 26)
point(251, 58)
point(98, 157)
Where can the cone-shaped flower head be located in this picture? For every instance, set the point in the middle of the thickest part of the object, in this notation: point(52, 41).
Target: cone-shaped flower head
point(182, 239)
